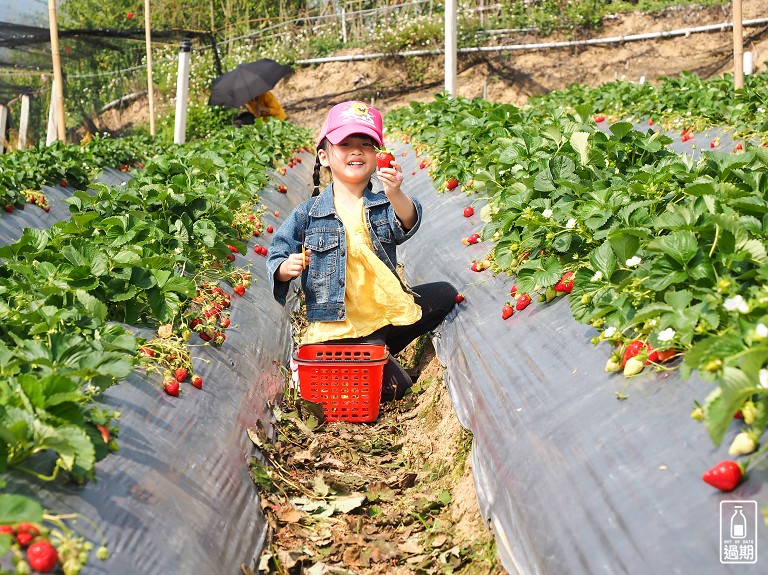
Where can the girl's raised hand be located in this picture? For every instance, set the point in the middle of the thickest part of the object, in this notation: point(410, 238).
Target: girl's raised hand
point(391, 178)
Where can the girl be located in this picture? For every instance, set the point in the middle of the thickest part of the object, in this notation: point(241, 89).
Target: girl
point(342, 242)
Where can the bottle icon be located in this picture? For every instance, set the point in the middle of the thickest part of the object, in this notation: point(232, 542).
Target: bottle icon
point(738, 524)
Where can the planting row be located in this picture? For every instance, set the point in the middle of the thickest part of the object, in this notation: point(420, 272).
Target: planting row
point(154, 253)
point(665, 256)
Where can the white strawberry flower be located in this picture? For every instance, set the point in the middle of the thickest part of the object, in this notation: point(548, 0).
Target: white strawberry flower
point(736, 303)
point(597, 277)
point(609, 331)
point(633, 261)
point(667, 335)
point(761, 331)
point(547, 213)
point(763, 378)
point(570, 224)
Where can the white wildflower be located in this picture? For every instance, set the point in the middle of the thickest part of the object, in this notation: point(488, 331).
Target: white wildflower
point(597, 277)
point(667, 335)
point(761, 331)
point(736, 303)
point(547, 213)
point(570, 224)
point(763, 377)
point(633, 261)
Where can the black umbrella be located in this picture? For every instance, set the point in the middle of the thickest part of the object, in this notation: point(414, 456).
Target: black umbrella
point(246, 82)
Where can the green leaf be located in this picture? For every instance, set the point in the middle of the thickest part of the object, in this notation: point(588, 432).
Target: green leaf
point(719, 407)
point(95, 308)
point(603, 260)
point(580, 143)
point(624, 246)
point(679, 245)
point(17, 508)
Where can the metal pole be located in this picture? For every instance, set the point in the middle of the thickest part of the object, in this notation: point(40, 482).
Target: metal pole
point(182, 92)
point(738, 47)
point(58, 82)
point(150, 84)
point(450, 47)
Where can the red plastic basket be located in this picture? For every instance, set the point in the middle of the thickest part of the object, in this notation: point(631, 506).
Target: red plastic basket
point(344, 378)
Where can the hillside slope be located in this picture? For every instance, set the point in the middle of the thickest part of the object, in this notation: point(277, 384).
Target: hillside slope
point(513, 76)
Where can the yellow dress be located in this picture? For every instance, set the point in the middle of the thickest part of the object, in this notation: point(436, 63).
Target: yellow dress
point(374, 296)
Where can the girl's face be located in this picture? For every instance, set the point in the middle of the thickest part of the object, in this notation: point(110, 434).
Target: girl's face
point(353, 160)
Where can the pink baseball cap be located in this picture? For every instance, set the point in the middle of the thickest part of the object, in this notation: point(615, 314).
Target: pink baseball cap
point(353, 117)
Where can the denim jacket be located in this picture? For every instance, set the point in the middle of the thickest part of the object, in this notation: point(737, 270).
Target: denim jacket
point(316, 224)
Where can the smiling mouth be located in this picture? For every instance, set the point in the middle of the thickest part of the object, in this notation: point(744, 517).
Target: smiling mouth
point(355, 164)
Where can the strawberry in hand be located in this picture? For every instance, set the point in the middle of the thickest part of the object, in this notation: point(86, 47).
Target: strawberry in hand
point(384, 158)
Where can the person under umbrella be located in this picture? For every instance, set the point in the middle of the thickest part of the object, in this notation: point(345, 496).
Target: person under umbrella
point(249, 85)
point(266, 105)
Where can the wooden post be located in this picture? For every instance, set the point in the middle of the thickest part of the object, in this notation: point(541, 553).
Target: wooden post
point(738, 47)
point(450, 47)
point(58, 82)
point(150, 83)
point(344, 25)
point(3, 126)
point(24, 122)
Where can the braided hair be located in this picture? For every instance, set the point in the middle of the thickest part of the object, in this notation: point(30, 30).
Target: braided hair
point(316, 173)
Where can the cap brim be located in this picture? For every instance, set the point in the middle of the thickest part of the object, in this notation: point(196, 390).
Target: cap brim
point(337, 135)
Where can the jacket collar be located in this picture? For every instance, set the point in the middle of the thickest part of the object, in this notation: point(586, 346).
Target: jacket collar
point(323, 205)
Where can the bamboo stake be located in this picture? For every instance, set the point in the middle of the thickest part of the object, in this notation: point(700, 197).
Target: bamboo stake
point(450, 47)
point(150, 84)
point(58, 82)
point(738, 47)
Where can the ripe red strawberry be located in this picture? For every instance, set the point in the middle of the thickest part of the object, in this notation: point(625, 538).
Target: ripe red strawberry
point(473, 238)
point(277, 213)
point(219, 338)
point(42, 556)
point(451, 184)
point(7, 529)
point(224, 322)
point(507, 311)
point(725, 476)
point(25, 527)
point(384, 158)
point(738, 147)
point(469, 211)
point(24, 538)
point(172, 387)
point(239, 289)
point(459, 297)
point(205, 336)
point(180, 374)
point(523, 301)
point(231, 257)
point(270, 229)
point(633, 348)
point(233, 249)
point(599, 118)
point(129, 15)
point(282, 189)
point(423, 165)
point(565, 285)
point(147, 352)
point(63, 183)
point(197, 381)
point(8, 208)
point(650, 121)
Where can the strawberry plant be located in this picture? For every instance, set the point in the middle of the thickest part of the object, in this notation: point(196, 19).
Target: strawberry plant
point(664, 256)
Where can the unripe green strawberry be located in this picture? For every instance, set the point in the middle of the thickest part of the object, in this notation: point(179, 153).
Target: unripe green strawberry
point(633, 366)
point(743, 444)
point(613, 364)
point(749, 412)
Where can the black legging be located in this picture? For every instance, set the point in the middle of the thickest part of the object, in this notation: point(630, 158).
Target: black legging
point(436, 300)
